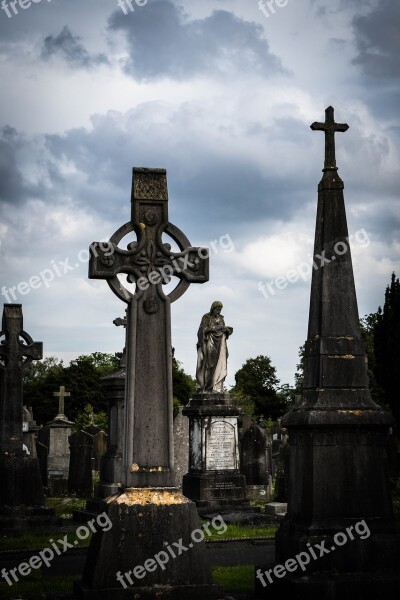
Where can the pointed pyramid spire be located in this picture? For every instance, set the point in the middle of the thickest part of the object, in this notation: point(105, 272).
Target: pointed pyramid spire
point(336, 363)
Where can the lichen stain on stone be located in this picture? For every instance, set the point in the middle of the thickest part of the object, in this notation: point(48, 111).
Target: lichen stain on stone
point(145, 496)
point(135, 468)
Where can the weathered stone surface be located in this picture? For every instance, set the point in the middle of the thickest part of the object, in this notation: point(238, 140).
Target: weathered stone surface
point(141, 452)
point(212, 351)
point(214, 479)
point(150, 263)
point(58, 459)
point(139, 517)
point(80, 466)
point(253, 457)
point(21, 491)
point(19, 474)
point(337, 434)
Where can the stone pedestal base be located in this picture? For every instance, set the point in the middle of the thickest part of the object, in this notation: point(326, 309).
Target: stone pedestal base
point(21, 496)
point(20, 481)
point(276, 509)
point(352, 566)
point(153, 548)
point(215, 490)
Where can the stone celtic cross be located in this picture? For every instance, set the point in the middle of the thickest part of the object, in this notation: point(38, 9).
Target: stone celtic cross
point(17, 351)
point(61, 394)
point(149, 263)
point(330, 128)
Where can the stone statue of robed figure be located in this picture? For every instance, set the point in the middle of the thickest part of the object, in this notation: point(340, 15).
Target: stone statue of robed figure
point(212, 351)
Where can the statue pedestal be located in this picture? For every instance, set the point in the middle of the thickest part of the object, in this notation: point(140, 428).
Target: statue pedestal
point(214, 480)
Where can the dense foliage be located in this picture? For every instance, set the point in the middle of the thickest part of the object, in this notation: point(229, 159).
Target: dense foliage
point(257, 389)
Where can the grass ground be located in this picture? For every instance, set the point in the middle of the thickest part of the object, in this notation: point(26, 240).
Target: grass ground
point(232, 579)
point(37, 585)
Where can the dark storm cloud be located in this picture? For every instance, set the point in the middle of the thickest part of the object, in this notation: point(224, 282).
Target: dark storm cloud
point(164, 43)
point(220, 189)
point(378, 40)
point(69, 47)
point(11, 181)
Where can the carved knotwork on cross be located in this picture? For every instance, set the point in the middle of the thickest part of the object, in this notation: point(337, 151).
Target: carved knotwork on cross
point(149, 262)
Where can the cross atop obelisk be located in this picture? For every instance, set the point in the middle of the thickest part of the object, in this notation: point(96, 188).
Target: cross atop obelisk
point(149, 263)
point(61, 394)
point(330, 128)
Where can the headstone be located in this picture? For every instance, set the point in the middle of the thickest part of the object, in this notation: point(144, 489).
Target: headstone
point(113, 387)
point(21, 492)
point(99, 448)
point(59, 430)
point(42, 449)
point(338, 483)
point(107, 449)
point(253, 461)
point(80, 479)
point(282, 472)
point(214, 480)
point(147, 510)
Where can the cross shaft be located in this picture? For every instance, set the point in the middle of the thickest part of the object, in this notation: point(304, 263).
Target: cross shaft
point(148, 263)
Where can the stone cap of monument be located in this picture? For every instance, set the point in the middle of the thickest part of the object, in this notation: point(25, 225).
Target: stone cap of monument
point(210, 403)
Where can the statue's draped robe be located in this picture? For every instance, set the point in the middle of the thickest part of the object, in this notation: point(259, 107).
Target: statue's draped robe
point(212, 354)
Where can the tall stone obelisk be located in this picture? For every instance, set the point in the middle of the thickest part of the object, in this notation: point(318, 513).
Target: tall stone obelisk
point(338, 488)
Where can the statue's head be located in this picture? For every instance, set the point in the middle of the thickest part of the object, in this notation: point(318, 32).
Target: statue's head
point(214, 305)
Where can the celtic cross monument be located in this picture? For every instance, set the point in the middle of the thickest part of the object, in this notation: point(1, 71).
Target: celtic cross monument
point(145, 509)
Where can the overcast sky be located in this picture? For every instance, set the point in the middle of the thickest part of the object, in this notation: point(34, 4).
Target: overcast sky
point(222, 95)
